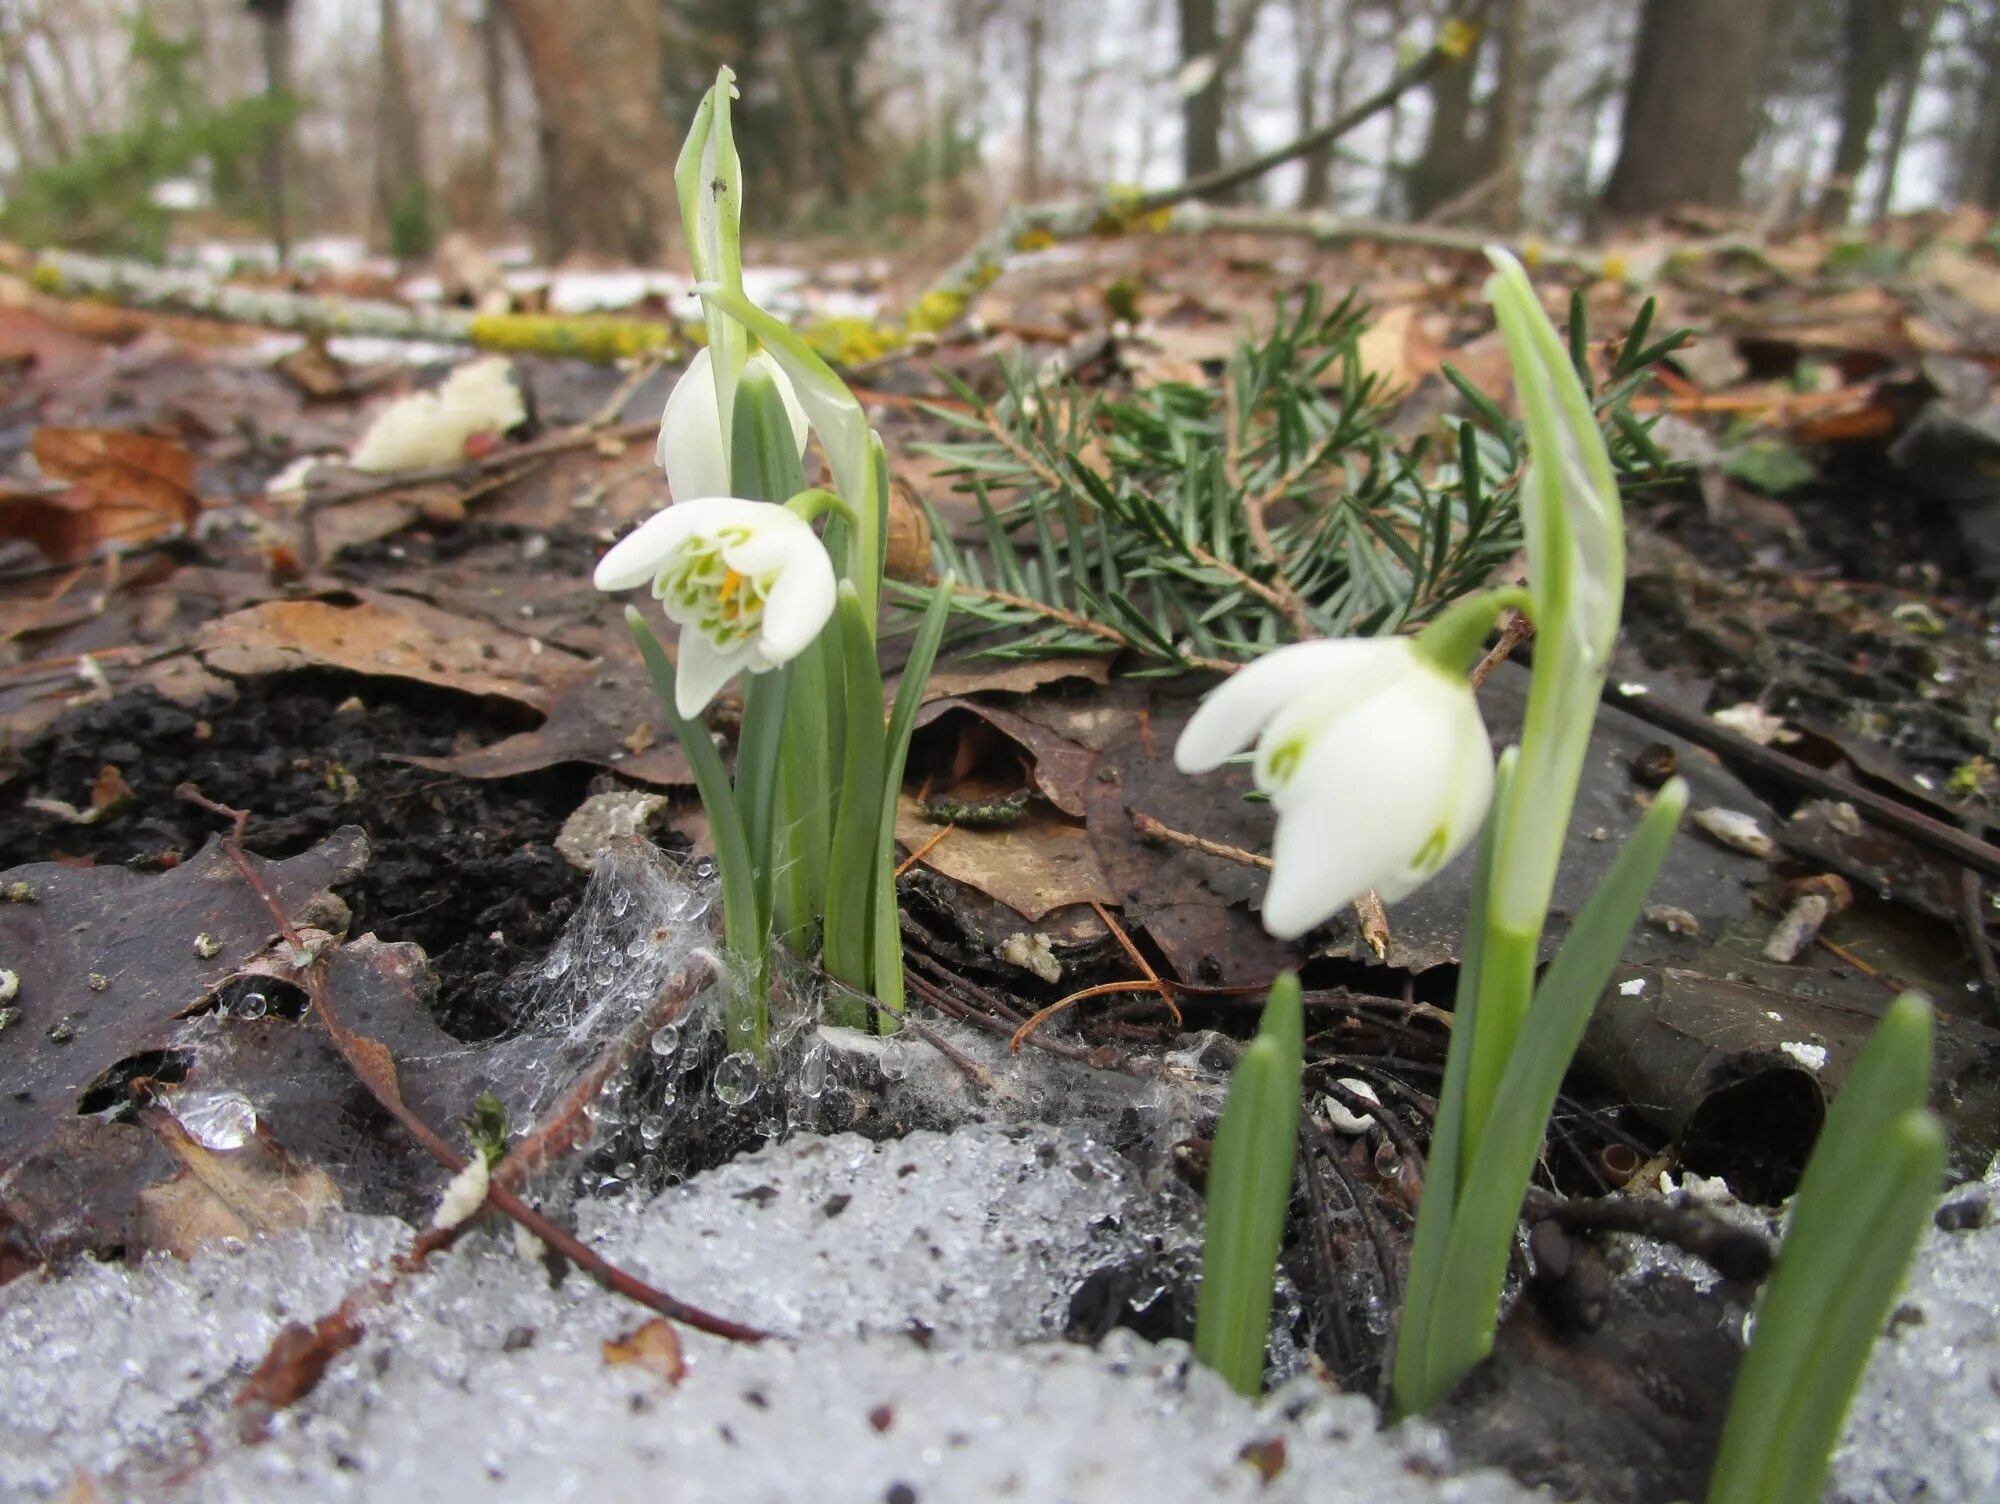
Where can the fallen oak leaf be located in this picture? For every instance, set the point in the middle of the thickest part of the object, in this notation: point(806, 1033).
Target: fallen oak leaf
point(111, 962)
point(225, 1193)
point(125, 489)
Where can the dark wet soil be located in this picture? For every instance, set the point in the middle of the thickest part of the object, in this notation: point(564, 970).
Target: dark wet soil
point(466, 869)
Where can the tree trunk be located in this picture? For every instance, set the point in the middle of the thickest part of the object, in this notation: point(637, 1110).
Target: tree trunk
point(493, 91)
point(607, 146)
point(1916, 43)
point(1979, 159)
point(274, 28)
point(1201, 110)
point(1502, 141)
point(1692, 106)
point(1309, 47)
point(402, 191)
point(1448, 165)
point(1871, 36)
point(1036, 40)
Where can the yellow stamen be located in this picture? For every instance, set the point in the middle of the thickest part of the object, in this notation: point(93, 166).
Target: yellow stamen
point(730, 581)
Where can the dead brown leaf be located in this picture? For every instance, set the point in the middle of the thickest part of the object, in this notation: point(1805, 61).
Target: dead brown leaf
point(125, 489)
point(1040, 862)
point(235, 1193)
point(652, 1345)
point(297, 1361)
point(402, 639)
point(110, 961)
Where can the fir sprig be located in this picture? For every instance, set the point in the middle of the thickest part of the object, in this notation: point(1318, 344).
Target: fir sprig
point(1195, 526)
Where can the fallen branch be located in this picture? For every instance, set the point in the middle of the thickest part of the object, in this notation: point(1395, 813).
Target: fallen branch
point(131, 284)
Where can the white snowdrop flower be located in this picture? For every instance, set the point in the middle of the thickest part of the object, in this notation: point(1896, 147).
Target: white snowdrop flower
point(464, 1195)
point(749, 583)
point(1374, 756)
point(691, 449)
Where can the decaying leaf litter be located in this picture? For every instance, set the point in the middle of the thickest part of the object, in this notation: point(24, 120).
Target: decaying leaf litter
point(422, 658)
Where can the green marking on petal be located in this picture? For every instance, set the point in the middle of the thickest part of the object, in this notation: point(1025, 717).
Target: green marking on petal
point(1285, 760)
point(1431, 854)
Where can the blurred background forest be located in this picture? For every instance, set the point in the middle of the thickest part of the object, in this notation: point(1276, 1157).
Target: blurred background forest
point(553, 124)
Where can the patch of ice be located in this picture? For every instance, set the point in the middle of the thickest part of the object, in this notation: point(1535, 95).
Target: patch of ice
point(924, 1280)
point(1811, 1056)
point(1925, 1425)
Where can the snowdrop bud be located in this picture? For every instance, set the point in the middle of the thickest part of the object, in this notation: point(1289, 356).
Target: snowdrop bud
point(1374, 756)
point(749, 583)
point(1576, 575)
point(692, 449)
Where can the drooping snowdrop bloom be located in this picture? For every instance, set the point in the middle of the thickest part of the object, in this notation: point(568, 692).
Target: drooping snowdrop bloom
point(1373, 754)
point(748, 582)
point(691, 442)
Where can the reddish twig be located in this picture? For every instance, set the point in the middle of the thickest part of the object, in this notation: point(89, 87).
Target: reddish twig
point(375, 1069)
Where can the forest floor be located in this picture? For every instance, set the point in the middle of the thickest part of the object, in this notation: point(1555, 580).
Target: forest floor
point(405, 709)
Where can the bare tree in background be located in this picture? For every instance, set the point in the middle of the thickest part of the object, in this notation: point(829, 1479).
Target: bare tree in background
point(1915, 44)
point(274, 25)
point(1691, 108)
point(1871, 37)
point(402, 190)
point(1978, 166)
point(607, 145)
point(1201, 85)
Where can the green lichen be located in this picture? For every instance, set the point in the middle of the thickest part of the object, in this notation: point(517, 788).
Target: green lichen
point(849, 342)
point(604, 341)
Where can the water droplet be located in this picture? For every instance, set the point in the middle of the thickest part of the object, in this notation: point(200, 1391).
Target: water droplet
point(620, 901)
point(215, 1119)
point(652, 1128)
point(556, 965)
point(252, 1005)
point(666, 1039)
point(895, 1060)
point(736, 1079)
point(635, 947)
point(812, 1072)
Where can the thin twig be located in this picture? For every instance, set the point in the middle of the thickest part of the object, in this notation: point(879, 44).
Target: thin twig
point(1149, 829)
point(1966, 849)
point(1517, 631)
point(924, 850)
point(643, 370)
point(1138, 960)
point(370, 1062)
point(1973, 894)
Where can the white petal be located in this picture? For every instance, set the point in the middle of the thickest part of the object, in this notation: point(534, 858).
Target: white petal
point(702, 669)
point(788, 393)
point(777, 536)
point(690, 447)
point(799, 604)
point(1373, 788)
point(635, 558)
point(1343, 686)
point(1229, 719)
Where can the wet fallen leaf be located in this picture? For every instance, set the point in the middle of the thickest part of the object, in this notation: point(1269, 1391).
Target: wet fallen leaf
point(232, 1193)
point(652, 1345)
point(110, 962)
